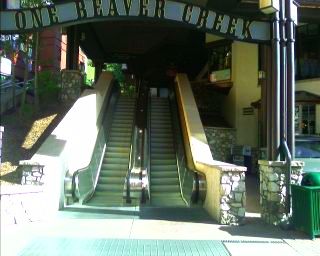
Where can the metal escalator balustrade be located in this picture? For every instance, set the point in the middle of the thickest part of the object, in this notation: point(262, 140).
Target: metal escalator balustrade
point(110, 186)
point(164, 179)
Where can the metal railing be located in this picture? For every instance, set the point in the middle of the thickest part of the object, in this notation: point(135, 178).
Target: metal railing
point(285, 152)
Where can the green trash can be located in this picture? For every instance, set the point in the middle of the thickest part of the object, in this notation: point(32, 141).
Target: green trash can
point(311, 179)
point(306, 209)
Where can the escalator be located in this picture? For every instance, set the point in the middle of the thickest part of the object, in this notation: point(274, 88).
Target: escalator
point(139, 157)
point(114, 168)
point(164, 178)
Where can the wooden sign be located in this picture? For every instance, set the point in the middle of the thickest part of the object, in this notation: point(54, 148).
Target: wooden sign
point(81, 11)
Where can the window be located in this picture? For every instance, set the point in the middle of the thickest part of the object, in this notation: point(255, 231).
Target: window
point(308, 51)
point(219, 60)
point(305, 119)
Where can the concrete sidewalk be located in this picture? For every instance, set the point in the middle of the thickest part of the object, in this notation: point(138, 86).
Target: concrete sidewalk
point(253, 238)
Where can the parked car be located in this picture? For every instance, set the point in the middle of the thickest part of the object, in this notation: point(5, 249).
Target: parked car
point(308, 151)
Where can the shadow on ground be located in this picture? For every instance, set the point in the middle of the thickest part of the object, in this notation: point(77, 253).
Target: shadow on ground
point(255, 227)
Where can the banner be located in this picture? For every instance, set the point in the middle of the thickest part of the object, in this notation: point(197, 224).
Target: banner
point(81, 11)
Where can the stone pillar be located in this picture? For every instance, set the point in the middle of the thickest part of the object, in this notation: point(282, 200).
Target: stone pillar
point(71, 82)
point(273, 188)
point(233, 196)
point(220, 140)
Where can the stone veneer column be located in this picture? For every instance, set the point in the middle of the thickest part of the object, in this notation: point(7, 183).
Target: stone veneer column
point(232, 195)
point(71, 82)
point(220, 140)
point(273, 188)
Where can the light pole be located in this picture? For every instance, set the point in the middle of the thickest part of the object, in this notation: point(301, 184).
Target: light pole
point(282, 100)
point(272, 7)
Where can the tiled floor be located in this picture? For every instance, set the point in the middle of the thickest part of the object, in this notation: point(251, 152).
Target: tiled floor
point(151, 231)
point(136, 232)
point(123, 247)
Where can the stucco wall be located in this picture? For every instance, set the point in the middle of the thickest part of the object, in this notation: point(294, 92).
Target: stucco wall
point(245, 84)
point(245, 90)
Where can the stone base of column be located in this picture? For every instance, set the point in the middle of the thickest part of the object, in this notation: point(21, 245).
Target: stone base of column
point(273, 189)
point(71, 82)
point(232, 196)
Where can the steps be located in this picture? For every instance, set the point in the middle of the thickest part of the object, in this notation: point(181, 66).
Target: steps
point(110, 186)
point(165, 186)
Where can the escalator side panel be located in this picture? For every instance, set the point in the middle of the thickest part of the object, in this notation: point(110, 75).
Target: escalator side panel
point(193, 132)
point(186, 176)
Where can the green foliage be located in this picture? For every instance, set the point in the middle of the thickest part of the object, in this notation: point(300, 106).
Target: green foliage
point(126, 87)
point(26, 111)
point(48, 87)
point(117, 72)
point(90, 74)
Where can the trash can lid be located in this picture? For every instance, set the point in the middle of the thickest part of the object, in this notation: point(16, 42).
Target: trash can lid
point(311, 179)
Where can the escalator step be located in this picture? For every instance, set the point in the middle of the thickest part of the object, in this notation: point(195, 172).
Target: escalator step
point(120, 134)
point(162, 150)
point(116, 155)
point(167, 181)
point(162, 156)
point(116, 160)
point(119, 144)
point(164, 139)
point(110, 187)
point(160, 132)
point(165, 188)
point(121, 121)
point(121, 129)
point(114, 166)
point(122, 125)
point(121, 150)
point(112, 180)
point(167, 145)
point(169, 161)
point(159, 168)
point(120, 139)
point(163, 174)
point(115, 173)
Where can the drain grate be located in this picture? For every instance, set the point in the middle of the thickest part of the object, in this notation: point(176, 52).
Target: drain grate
point(124, 247)
point(253, 241)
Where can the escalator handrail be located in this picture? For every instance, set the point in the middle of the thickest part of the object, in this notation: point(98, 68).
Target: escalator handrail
point(133, 148)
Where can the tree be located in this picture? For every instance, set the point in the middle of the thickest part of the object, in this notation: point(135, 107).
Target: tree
point(35, 42)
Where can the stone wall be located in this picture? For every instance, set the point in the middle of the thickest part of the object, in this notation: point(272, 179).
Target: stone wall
point(71, 82)
point(273, 189)
point(220, 141)
point(233, 196)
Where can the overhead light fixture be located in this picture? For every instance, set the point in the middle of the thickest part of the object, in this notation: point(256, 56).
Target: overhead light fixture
point(269, 6)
